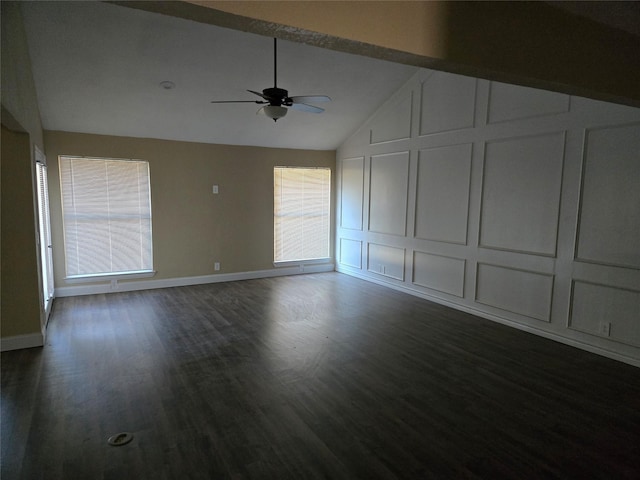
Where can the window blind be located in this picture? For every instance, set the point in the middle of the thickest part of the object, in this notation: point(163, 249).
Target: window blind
point(45, 233)
point(106, 215)
point(301, 213)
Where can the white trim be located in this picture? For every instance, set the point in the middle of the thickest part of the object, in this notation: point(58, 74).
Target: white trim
point(306, 261)
point(39, 155)
point(495, 318)
point(97, 277)
point(47, 311)
point(114, 286)
point(18, 342)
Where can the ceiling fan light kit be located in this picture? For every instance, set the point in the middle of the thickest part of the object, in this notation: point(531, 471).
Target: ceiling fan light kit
point(273, 111)
point(277, 100)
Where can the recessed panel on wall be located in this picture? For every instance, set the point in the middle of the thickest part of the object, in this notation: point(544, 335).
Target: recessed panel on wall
point(387, 261)
point(442, 200)
point(351, 252)
point(393, 122)
point(448, 103)
point(521, 194)
point(609, 230)
point(351, 193)
point(606, 311)
point(518, 291)
point(512, 102)
point(388, 193)
point(444, 274)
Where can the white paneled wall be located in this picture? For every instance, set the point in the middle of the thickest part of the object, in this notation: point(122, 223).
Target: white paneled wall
point(516, 204)
point(389, 180)
point(521, 188)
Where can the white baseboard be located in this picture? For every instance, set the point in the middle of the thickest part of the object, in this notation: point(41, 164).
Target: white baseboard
point(496, 318)
point(18, 342)
point(115, 286)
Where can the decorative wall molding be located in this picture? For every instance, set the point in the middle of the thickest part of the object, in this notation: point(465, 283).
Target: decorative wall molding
point(442, 193)
point(439, 272)
point(514, 102)
point(497, 177)
point(521, 192)
point(389, 173)
point(593, 303)
point(515, 290)
point(352, 193)
point(395, 124)
point(610, 184)
point(447, 103)
point(351, 252)
point(386, 261)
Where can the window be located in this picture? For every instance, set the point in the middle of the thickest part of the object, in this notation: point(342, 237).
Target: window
point(106, 206)
point(301, 201)
point(44, 232)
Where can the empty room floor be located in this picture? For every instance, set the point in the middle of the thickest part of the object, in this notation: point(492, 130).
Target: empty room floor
point(308, 377)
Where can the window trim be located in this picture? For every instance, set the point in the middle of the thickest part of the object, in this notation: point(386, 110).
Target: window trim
point(110, 276)
point(295, 263)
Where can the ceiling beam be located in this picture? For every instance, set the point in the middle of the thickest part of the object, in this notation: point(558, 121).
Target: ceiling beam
point(528, 43)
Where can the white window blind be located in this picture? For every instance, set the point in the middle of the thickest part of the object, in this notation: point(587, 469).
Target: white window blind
point(302, 199)
point(107, 216)
point(44, 226)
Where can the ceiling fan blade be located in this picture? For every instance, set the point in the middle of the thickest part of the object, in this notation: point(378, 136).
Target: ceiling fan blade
point(303, 107)
point(237, 101)
point(310, 99)
point(259, 94)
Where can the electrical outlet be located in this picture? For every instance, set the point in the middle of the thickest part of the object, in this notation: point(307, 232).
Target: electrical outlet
point(215, 189)
point(605, 329)
point(216, 266)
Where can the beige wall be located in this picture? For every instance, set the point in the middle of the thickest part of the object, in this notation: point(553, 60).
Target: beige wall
point(21, 308)
point(20, 300)
point(192, 227)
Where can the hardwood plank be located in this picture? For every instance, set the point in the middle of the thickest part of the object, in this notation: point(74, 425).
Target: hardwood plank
point(315, 376)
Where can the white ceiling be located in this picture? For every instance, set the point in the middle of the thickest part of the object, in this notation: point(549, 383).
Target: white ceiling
point(98, 67)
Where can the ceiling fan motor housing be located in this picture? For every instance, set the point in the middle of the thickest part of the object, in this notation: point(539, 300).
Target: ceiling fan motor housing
point(276, 96)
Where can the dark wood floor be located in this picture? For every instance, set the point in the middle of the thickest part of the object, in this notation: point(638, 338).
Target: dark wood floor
point(318, 376)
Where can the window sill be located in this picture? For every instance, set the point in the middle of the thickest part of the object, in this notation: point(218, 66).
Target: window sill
point(295, 263)
point(101, 277)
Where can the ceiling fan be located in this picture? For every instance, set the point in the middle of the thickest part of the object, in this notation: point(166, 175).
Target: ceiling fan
point(277, 100)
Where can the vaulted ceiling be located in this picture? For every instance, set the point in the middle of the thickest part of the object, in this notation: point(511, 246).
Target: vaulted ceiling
point(98, 68)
